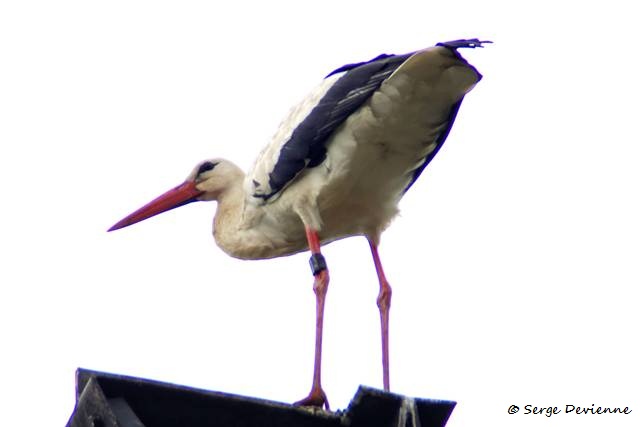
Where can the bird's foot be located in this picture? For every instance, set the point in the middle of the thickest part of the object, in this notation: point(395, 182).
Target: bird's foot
point(317, 398)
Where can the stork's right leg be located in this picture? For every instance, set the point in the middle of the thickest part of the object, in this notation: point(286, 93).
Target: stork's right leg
point(317, 397)
point(384, 303)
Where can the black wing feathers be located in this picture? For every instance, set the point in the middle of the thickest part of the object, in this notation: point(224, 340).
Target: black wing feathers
point(348, 67)
point(306, 147)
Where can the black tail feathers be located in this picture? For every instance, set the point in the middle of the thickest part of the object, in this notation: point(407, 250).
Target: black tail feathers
point(464, 43)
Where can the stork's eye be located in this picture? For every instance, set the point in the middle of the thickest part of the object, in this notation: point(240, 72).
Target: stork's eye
point(206, 166)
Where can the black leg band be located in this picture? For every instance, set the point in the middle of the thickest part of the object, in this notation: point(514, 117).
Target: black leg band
point(317, 263)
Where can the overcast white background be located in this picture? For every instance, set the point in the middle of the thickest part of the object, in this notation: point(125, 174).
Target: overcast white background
point(514, 263)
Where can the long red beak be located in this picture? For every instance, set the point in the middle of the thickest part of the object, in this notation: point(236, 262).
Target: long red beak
point(176, 197)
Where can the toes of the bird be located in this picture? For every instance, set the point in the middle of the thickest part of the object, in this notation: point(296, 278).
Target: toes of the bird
point(315, 400)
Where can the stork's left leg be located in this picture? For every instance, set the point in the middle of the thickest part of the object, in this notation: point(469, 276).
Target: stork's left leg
point(317, 397)
point(384, 303)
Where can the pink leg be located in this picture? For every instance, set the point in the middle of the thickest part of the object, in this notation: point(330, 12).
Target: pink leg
point(317, 397)
point(384, 303)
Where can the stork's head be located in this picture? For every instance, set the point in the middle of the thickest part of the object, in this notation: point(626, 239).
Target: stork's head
point(209, 180)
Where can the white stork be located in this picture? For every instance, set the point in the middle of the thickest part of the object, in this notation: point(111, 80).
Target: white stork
point(337, 167)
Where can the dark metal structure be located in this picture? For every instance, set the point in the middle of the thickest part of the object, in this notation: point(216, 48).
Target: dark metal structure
point(108, 400)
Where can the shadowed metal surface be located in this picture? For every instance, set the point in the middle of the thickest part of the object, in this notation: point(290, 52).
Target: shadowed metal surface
point(108, 400)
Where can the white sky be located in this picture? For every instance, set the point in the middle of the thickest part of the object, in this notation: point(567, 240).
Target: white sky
point(514, 264)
